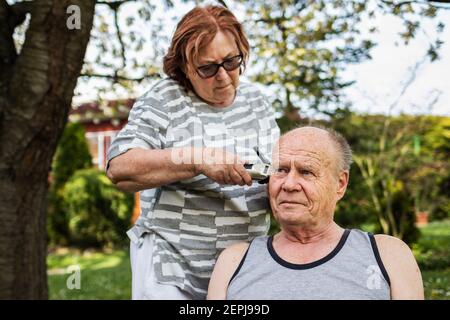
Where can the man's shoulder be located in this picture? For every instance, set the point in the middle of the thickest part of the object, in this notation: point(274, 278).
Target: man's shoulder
point(235, 252)
point(393, 251)
point(387, 242)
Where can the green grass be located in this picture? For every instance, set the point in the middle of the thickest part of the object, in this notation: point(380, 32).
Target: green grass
point(437, 284)
point(102, 275)
point(433, 255)
point(107, 275)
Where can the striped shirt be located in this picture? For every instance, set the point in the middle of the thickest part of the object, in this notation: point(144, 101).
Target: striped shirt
point(195, 219)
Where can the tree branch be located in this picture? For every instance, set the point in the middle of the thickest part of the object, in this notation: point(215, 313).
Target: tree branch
point(50, 55)
point(408, 82)
point(222, 2)
point(114, 4)
point(434, 3)
point(22, 8)
point(8, 22)
point(116, 77)
point(119, 37)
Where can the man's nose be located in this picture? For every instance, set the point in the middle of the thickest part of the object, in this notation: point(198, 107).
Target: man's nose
point(292, 182)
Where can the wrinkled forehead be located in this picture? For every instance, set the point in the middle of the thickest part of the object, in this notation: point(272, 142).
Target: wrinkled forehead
point(308, 149)
point(301, 157)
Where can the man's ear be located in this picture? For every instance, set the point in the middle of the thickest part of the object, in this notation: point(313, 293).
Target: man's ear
point(343, 179)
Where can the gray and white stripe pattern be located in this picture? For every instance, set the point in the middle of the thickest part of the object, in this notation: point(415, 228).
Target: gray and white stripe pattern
point(195, 219)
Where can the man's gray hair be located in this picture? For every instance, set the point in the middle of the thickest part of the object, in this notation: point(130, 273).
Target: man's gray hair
point(341, 144)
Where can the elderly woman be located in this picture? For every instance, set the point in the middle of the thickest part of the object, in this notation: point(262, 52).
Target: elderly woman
point(184, 148)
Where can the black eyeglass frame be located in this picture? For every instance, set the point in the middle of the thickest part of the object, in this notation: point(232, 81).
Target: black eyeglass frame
point(218, 65)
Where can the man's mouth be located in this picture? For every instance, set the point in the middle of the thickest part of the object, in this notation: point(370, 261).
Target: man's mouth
point(290, 202)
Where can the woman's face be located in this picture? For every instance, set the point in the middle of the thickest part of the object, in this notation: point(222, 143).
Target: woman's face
point(219, 90)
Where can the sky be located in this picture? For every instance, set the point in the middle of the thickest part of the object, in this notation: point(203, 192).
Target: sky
point(379, 81)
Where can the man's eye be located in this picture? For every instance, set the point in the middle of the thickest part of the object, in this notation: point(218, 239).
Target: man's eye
point(281, 170)
point(306, 172)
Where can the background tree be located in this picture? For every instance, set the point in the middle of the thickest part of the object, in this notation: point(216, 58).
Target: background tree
point(36, 89)
point(399, 161)
point(302, 47)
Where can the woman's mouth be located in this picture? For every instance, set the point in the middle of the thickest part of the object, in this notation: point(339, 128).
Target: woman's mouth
point(224, 87)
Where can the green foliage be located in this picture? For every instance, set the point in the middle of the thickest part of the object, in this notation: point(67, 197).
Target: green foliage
point(436, 284)
point(98, 213)
point(274, 226)
point(301, 48)
point(433, 256)
point(400, 162)
point(442, 211)
point(355, 209)
point(72, 154)
point(432, 253)
point(433, 249)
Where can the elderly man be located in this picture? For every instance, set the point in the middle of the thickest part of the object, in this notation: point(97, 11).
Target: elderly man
point(312, 257)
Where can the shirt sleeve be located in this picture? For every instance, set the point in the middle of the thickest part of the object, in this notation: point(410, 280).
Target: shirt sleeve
point(146, 128)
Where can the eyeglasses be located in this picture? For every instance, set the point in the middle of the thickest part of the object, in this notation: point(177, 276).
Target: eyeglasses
point(210, 70)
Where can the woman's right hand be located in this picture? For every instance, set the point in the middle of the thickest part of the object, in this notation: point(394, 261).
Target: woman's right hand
point(221, 166)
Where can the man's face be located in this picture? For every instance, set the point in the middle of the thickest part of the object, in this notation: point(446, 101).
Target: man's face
point(306, 183)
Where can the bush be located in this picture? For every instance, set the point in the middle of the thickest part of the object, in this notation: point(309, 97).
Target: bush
point(98, 213)
point(71, 155)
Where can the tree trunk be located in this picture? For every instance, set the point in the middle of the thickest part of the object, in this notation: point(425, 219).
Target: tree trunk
point(36, 89)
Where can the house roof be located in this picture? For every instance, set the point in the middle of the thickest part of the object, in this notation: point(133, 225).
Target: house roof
point(101, 111)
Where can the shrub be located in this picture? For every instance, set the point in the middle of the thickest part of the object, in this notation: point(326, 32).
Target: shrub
point(98, 213)
point(72, 154)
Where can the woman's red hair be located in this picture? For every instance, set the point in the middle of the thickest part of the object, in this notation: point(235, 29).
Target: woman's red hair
point(194, 32)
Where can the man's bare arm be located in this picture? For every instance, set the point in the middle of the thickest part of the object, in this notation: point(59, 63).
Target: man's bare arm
point(402, 268)
point(226, 265)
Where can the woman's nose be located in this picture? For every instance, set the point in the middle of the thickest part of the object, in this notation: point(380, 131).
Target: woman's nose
point(222, 74)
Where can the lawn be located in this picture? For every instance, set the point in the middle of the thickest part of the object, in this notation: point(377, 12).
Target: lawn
point(433, 255)
point(107, 275)
point(103, 275)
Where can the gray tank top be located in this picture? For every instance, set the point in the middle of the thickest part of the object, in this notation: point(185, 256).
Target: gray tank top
point(353, 270)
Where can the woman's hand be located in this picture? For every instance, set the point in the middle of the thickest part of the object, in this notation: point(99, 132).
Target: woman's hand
point(220, 166)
